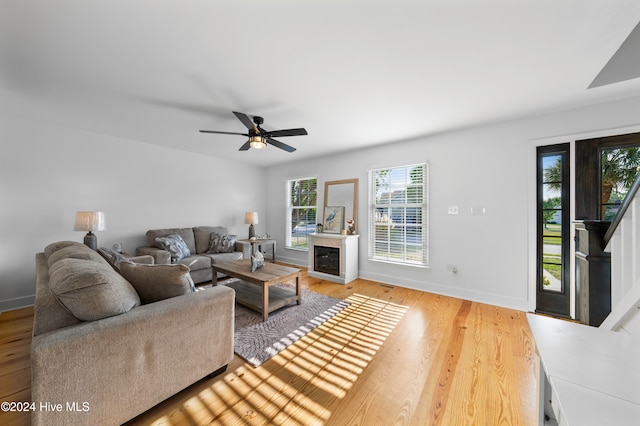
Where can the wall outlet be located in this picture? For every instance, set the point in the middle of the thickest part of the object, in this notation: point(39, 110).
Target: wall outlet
point(452, 210)
point(478, 211)
point(452, 268)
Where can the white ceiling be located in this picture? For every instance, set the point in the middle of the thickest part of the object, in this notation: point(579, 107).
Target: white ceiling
point(352, 72)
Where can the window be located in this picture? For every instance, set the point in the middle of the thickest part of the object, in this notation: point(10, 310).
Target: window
point(398, 215)
point(618, 169)
point(301, 212)
point(605, 168)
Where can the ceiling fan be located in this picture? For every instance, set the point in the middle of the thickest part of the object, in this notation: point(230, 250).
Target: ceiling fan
point(259, 137)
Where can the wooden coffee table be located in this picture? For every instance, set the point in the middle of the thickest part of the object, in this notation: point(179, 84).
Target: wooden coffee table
point(253, 289)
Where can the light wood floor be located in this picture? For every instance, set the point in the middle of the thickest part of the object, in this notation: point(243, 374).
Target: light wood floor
point(394, 357)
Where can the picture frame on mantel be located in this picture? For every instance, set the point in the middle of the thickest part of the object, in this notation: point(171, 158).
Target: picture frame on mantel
point(333, 219)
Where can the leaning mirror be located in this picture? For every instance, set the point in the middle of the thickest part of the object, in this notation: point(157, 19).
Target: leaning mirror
point(343, 193)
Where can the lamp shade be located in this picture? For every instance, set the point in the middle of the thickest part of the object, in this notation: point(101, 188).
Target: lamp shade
point(251, 218)
point(90, 221)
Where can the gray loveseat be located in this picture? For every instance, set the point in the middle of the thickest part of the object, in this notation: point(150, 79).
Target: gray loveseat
point(198, 241)
point(105, 356)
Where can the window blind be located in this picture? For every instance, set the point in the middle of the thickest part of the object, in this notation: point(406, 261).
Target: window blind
point(302, 199)
point(398, 215)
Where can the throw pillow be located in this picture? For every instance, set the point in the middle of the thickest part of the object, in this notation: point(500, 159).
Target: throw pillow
point(90, 290)
point(257, 261)
point(114, 258)
point(158, 282)
point(222, 243)
point(174, 244)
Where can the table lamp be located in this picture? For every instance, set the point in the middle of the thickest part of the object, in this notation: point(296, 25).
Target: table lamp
point(251, 218)
point(90, 221)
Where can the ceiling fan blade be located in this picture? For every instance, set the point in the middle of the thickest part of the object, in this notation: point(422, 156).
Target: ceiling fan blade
point(245, 120)
point(288, 132)
point(280, 145)
point(223, 133)
point(246, 146)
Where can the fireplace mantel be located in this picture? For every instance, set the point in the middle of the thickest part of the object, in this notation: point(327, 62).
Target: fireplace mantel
point(348, 256)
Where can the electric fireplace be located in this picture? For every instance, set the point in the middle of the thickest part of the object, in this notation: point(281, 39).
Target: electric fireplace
point(333, 257)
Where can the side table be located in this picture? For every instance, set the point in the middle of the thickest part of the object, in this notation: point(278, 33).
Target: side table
point(264, 241)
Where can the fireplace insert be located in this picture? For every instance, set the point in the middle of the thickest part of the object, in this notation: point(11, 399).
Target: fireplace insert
point(327, 260)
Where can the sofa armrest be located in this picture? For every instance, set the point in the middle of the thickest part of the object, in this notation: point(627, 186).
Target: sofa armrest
point(245, 248)
point(160, 257)
point(121, 366)
point(146, 259)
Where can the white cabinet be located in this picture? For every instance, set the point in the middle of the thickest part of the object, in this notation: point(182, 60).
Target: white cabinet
point(590, 375)
point(333, 257)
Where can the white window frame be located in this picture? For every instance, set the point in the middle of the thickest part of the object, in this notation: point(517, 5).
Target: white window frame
point(376, 250)
point(291, 208)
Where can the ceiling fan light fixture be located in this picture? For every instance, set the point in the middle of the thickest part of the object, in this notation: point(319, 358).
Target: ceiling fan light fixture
point(258, 137)
point(257, 142)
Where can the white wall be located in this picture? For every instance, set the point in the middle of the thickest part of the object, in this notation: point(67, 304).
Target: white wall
point(490, 167)
point(47, 173)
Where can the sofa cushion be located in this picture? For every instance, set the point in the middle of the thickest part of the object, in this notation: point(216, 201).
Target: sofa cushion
point(196, 262)
point(222, 243)
point(174, 244)
point(74, 251)
point(185, 233)
point(225, 257)
point(48, 313)
point(53, 247)
point(91, 290)
point(202, 235)
point(158, 282)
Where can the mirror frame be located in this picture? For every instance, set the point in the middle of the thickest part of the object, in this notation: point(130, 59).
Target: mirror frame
point(328, 184)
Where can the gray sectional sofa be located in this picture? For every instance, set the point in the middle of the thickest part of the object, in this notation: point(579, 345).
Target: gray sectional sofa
point(201, 254)
point(103, 355)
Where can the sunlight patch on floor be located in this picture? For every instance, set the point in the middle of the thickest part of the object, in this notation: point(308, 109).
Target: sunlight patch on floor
point(296, 386)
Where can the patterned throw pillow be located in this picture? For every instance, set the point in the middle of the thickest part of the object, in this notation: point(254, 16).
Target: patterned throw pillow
point(175, 245)
point(222, 243)
point(114, 258)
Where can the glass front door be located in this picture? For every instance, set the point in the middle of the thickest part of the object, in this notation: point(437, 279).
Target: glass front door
point(553, 232)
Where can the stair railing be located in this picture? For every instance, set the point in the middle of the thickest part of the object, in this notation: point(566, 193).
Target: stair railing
point(622, 240)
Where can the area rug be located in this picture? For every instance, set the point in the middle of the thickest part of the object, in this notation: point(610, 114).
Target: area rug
point(257, 341)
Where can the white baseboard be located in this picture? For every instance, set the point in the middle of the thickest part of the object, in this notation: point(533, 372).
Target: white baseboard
point(292, 261)
point(474, 296)
point(17, 303)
